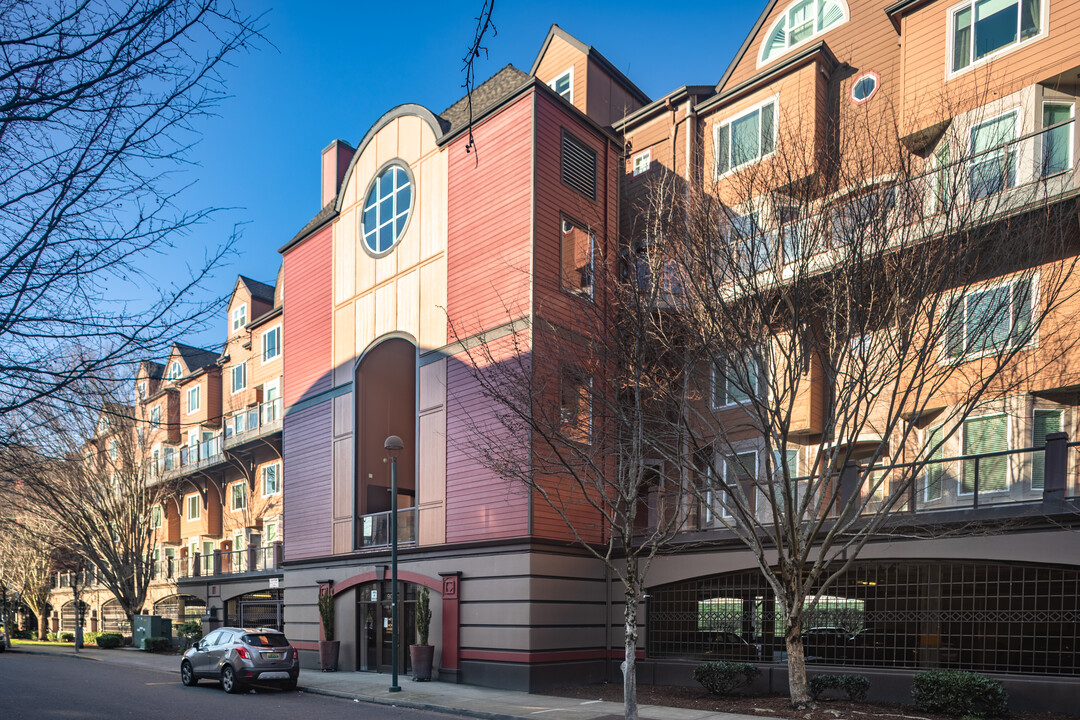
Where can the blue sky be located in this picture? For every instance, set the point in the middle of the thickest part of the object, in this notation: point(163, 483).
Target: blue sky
point(336, 67)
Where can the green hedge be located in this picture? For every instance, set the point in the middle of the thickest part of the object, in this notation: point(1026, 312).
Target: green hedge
point(959, 693)
point(157, 644)
point(67, 637)
point(854, 686)
point(109, 640)
point(723, 678)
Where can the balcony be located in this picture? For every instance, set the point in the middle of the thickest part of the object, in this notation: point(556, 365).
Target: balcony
point(189, 458)
point(373, 530)
point(252, 559)
point(252, 423)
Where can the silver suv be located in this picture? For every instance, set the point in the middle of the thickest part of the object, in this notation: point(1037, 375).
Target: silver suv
point(239, 656)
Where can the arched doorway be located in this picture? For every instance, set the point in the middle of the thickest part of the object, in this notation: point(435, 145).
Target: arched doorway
point(385, 397)
point(67, 616)
point(374, 625)
point(180, 608)
point(113, 618)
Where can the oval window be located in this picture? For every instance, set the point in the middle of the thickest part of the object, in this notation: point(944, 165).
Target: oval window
point(864, 87)
point(386, 209)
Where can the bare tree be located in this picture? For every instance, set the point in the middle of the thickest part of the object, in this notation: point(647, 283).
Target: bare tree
point(87, 471)
point(26, 566)
point(848, 308)
point(98, 102)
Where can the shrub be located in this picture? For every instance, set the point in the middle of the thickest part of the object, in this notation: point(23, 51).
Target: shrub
point(67, 637)
point(52, 637)
point(959, 693)
point(109, 640)
point(189, 632)
point(158, 644)
point(723, 678)
point(854, 686)
point(90, 637)
point(22, 635)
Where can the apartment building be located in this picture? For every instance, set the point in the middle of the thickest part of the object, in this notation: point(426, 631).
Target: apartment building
point(209, 426)
point(445, 232)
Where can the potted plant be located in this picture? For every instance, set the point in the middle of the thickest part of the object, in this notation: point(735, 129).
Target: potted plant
point(422, 654)
point(328, 647)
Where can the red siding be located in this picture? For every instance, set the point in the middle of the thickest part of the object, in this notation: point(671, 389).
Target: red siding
point(487, 256)
point(480, 504)
point(307, 449)
point(307, 320)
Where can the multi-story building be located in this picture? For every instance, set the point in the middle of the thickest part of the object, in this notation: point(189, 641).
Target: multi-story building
point(443, 231)
point(209, 425)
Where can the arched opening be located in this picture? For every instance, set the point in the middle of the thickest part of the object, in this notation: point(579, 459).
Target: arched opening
point(180, 609)
point(67, 616)
point(261, 609)
point(385, 396)
point(374, 625)
point(113, 618)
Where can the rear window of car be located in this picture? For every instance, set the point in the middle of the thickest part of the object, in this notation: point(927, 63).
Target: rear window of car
point(265, 640)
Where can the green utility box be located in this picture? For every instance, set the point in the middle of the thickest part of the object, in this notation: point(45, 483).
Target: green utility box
point(148, 626)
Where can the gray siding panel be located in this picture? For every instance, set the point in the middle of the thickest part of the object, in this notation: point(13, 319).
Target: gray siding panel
point(307, 447)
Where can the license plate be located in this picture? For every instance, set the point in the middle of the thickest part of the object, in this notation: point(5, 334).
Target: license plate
point(272, 656)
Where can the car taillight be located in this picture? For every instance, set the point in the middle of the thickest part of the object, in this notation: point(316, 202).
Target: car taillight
point(295, 655)
point(242, 652)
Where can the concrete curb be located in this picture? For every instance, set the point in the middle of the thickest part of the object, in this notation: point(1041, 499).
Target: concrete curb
point(444, 709)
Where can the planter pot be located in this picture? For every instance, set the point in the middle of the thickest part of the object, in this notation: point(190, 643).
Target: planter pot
point(328, 654)
point(422, 657)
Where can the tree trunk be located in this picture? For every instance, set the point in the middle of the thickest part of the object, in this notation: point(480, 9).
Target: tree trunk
point(629, 666)
point(796, 663)
point(42, 622)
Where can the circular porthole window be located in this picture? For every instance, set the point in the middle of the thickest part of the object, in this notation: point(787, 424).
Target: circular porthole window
point(386, 209)
point(864, 87)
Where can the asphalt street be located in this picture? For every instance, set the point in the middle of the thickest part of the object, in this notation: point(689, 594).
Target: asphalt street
point(37, 687)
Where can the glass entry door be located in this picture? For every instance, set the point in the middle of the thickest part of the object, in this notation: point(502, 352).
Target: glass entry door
point(374, 626)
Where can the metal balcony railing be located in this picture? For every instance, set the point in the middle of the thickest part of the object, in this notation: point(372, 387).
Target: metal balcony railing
point(374, 529)
point(255, 421)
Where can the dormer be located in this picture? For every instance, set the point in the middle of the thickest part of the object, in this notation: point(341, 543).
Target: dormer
point(586, 79)
point(148, 380)
point(249, 300)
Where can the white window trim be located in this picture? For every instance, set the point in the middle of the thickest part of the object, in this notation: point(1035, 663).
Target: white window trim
point(816, 34)
point(926, 471)
point(262, 479)
point(262, 354)
point(645, 158)
point(963, 451)
point(1042, 137)
point(232, 378)
point(239, 313)
point(1009, 146)
point(718, 512)
point(175, 371)
point(155, 416)
point(568, 72)
point(188, 505)
point(1031, 474)
point(944, 359)
point(276, 524)
point(232, 496)
point(950, 40)
point(728, 404)
point(731, 119)
point(157, 517)
point(194, 392)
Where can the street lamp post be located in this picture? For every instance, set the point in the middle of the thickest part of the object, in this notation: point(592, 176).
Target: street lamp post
point(394, 445)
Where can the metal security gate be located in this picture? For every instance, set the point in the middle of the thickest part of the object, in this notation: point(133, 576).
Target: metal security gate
point(67, 617)
point(257, 609)
point(180, 609)
point(113, 618)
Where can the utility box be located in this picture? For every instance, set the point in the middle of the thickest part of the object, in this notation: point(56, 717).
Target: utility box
point(148, 626)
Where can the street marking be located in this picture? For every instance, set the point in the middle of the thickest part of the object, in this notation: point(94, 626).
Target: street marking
point(538, 712)
point(591, 702)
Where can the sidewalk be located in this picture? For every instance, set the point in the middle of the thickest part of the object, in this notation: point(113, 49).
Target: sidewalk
point(465, 700)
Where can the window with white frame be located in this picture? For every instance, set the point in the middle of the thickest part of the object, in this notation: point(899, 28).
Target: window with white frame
point(1043, 423)
point(142, 390)
point(239, 317)
point(174, 371)
point(576, 259)
point(270, 532)
point(238, 495)
point(238, 541)
point(155, 416)
point(114, 450)
point(1057, 143)
point(194, 399)
point(156, 517)
point(387, 209)
point(750, 246)
point(271, 343)
point(993, 158)
point(746, 138)
point(642, 161)
point(792, 457)
point(982, 435)
point(800, 22)
point(564, 84)
point(575, 405)
point(942, 181)
point(935, 469)
point(990, 319)
point(980, 28)
point(239, 377)
point(194, 507)
point(736, 381)
point(271, 479)
point(734, 469)
point(854, 219)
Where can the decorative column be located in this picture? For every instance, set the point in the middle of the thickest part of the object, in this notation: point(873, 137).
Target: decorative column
point(451, 624)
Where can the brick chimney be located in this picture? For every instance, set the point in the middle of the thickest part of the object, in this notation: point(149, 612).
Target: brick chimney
point(335, 160)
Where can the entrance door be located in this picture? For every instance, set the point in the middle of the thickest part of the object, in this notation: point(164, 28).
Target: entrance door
point(374, 626)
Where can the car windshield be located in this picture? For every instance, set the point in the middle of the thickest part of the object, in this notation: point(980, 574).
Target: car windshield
point(265, 640)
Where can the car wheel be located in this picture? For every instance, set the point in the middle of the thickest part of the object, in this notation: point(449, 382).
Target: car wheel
point(229, 683)
point(187, 674)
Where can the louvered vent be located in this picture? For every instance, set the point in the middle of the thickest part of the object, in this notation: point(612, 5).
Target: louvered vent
point(578, 166)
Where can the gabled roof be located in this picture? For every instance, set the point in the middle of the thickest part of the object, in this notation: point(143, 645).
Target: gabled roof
point(258, 290)
point(594, 55)
point(746, 44)
point(484, 96)
point(154, 370)
point(195, 358)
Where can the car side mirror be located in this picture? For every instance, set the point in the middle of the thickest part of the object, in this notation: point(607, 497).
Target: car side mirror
point(197, 645)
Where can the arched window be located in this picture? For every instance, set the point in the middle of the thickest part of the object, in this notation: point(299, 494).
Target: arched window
point(801, 21)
